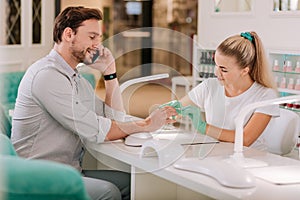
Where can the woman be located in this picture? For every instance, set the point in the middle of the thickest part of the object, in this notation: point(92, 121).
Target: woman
point(243, 77)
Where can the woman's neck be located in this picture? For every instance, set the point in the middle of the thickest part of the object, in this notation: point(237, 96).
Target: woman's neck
point(237, 89)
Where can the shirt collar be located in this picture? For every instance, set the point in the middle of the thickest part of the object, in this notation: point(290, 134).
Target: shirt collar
point(63, 64)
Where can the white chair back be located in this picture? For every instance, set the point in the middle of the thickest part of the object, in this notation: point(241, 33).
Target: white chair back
point(280, 136)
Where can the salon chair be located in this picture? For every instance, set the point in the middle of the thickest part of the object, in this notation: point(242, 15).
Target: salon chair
point(23, 179)
point(5, 124)
point(282, 132)
point(9, 84)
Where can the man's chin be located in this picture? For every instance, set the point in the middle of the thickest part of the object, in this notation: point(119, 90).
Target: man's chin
point(87, 61)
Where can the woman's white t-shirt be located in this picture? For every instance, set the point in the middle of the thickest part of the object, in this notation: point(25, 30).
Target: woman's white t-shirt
point(221, 111)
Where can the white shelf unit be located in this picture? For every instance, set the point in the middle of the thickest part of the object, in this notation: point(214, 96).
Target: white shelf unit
point(287, 70)
point(203, 64)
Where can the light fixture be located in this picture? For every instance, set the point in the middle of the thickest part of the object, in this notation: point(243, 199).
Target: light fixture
point(128, 83)
point(135, 0)
point(238, 156)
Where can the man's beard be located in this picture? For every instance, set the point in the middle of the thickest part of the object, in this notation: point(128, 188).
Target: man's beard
point(79, 55)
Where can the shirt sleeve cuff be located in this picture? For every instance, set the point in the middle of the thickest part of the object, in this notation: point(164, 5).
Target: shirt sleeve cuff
point(104, 125)
point(114, 114)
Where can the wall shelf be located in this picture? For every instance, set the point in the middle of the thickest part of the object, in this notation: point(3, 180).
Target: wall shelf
point(203, 64)
point(288, 70)
point(285, 14)
point(289, 91)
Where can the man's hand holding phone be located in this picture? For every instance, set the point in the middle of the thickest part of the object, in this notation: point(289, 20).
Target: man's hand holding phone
point(102, 60)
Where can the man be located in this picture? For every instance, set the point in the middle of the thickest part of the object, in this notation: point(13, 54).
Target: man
point(55, 111)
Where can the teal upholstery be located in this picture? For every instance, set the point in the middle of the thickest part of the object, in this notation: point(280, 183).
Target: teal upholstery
point(6, 148)
point(9, 84)
point(23, 179)
point(90, 77)
point(5, 124)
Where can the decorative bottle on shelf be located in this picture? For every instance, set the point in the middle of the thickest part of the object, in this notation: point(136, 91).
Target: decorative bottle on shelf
point(297, 105)
point(277, 81)
point(202, 58)
point(284, 5)
point(211, 71)
point(206, 71)
point(291, 84)
point(297, 69)
point(284, 66)
point(276, 65)
point(288, 65)
point(276, 5)
point(297, 86)
point(201, 71)
point(283, 83)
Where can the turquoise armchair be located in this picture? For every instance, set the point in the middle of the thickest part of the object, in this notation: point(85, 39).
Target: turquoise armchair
point(9, 84)
point(5, 124)
point(22, 179)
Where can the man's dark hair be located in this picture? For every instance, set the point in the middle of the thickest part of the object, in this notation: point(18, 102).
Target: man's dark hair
point(73, 17)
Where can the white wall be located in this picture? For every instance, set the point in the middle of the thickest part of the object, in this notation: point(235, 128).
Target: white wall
point(278, 31)
point(87, 3)
point(19, 57)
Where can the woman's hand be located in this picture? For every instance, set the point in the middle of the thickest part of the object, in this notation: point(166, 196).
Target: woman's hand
point(195, 115)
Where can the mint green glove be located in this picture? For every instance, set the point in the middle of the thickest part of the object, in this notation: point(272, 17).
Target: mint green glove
point(191, 111)
point(194, 114)
point(175, 104)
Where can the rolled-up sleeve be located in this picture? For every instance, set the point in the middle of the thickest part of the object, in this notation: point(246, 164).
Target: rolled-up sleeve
point(103, 109)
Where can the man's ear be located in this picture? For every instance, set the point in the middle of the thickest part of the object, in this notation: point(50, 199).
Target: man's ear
point(68, 34)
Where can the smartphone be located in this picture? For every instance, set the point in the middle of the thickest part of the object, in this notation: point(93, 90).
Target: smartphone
point(96, 56)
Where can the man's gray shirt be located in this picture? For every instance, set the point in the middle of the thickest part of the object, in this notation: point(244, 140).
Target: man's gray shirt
point(56, 111)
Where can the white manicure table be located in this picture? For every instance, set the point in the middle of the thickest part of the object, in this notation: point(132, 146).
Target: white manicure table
point(167, 182)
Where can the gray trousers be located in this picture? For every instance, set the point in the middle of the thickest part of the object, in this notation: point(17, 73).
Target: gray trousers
point(107, 184)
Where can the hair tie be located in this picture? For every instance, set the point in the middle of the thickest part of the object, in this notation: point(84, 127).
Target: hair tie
point(248, 36)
